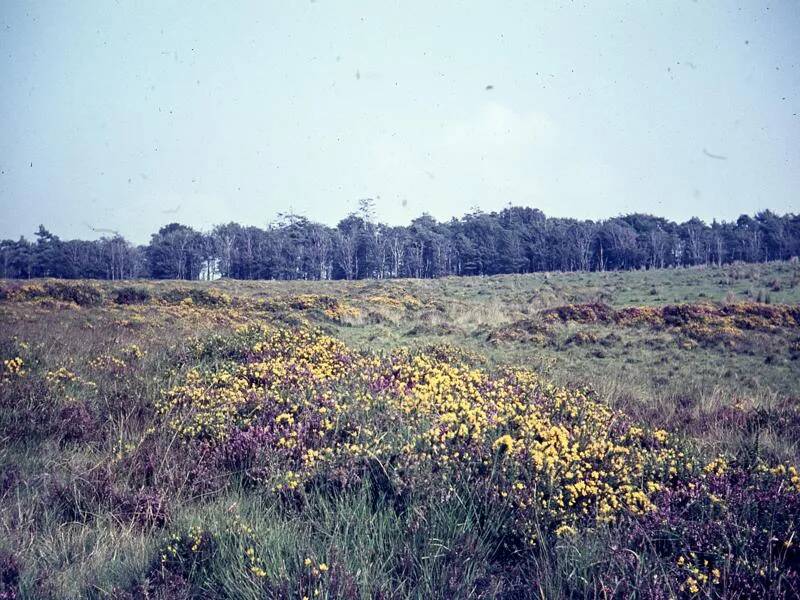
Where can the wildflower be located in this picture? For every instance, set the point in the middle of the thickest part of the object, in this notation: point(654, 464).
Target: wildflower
point(61, 375)
point(13, 367)
point(716, 467)
point(565, 530)
point(284, 418)
point(691, 584)
point(258, 571)
point(504, 443)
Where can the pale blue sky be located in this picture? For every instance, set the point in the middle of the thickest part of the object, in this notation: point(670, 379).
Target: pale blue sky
point(129, 115)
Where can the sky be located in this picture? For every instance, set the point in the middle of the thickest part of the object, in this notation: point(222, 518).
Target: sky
point(126, 116)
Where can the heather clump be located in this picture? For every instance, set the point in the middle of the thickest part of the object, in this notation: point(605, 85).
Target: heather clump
point(9, 576)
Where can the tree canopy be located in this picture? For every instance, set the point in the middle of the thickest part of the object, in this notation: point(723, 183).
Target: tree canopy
point(513, 240)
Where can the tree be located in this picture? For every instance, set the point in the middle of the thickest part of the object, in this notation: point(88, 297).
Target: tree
point(48, 255)
point(175, 252)
point(347, 234)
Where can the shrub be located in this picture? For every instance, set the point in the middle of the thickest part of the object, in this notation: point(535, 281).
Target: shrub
point(25, 291)
point(82, 294)
point(592, 312)
point(79, 497)
point(132, 295)
point(309, 301)
point(82, 497)
point(202, 297)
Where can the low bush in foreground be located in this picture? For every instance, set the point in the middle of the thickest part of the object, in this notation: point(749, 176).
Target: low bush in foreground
point(518, 484)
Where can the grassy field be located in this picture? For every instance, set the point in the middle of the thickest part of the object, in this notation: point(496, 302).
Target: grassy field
point(581, 435)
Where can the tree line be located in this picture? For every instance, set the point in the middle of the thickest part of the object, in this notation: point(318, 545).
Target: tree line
point(513, 240)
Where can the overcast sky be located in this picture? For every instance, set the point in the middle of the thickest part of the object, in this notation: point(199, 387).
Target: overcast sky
point(129, 115)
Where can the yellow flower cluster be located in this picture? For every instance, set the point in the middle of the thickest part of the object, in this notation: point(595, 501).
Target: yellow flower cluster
point(133, 352)
point(255, 563)
point(717, 467)
point(558, 447)
point(549, 450)
point(60, 376)
point(306, 301)
point(790, 472)
point(13, 367)
point(406, 301)
point(193, 539)
point(284, 364)
point(211, 404)
point(106, 362)
point(700, 574)
point(341, 312)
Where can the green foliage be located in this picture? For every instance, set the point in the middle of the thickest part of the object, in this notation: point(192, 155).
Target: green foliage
point(82, 294)
point(132, 295)
point(202, 297)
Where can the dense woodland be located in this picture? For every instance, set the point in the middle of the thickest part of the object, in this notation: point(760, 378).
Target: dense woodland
point(514, 240)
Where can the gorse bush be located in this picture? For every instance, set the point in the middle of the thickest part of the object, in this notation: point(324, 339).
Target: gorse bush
point(132, 295)
point(701, 322)
point(82, 294)
point(742, 315)
point(201, 297)
point(297, 413)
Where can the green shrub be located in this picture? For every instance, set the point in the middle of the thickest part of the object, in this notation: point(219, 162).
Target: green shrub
point(82, 294)
point(201, 297)
point(132, 295)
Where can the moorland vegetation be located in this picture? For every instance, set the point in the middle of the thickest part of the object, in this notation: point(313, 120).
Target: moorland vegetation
point(540, 436)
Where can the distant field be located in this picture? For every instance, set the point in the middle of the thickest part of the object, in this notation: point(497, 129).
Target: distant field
point(548, 435)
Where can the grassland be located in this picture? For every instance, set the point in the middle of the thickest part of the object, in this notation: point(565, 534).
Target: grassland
point(550, 435)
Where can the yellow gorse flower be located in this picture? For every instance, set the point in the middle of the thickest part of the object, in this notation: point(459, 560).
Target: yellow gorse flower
point(14, 367)
point(570, 457)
